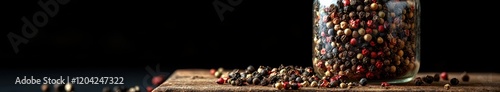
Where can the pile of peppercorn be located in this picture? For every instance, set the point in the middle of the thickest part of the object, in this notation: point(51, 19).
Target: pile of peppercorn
point(374, 39)
point(283, 77)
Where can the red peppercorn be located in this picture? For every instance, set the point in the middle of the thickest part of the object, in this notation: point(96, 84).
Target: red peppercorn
point(347, 2)
point(149, 89)
point(212, 71)
point(407, 32)
point(444, 76)
point(384, 84)
point(370, 75)
point(360, 69)
point(324, 83)
point(365, 52)
point(320, 64)
point(323, 51)
point(353, 41)
point(379, 64)
point(286, 85)
point(381, 28)
point(374, 1)
point(220, 81)
point(372, 43)
point(354, 23)
point(374, 54)
point(369, 31)
point(381, 54)
point(369, 23)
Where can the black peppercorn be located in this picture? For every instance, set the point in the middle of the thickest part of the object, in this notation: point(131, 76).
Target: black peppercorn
point(264, 82)
point(294, 86)
point(256, 81)
point(454, 81)
point(436, 77)
point(299, 80)
point(465, 77)
point(418, 81)
point(250, 69)
point(359, 8)
point(363, 81)
point(238, 82)
point(428, 79)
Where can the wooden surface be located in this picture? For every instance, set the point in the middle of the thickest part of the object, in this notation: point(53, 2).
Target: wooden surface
point(185, 80)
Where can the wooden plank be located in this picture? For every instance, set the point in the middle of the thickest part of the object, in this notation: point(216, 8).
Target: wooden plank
point(185, 80)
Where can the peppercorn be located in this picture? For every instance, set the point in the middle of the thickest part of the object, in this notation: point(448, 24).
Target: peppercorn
point(218, 74)
point(239, 82)
point(359, 8)
point(347, 31)
point(393, 69)
point(428, 79)
point(436, 77)
point(305, 84)
point(343, 85)
point(363, 81)
point(350, 85)
point(373, 6)
point(447, 86)
point(264, 82)
point(384, 84)
point(359, 56)
point(355, 34)
point(454, 81)
point(418, 81)
point(294, 86)
point(314, 84)
point(465, 77)
point(444, 75)
point(380, 40)
point(361, 31)
point(368, 37)
point(343, 25)
point(220, 81)
point(278, 85)
point(367, 8)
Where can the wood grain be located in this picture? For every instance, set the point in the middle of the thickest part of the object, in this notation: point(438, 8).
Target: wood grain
point(185, 80)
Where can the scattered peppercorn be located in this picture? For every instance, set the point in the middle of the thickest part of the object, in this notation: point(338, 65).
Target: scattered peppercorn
point(465, 77)
point(447, 86)
point(384, 84)
point(428, 79)
point(454, 81)
point(220, 81)
point(444, 75)
point(363, 81)
point(418, 81)
point(436, 77)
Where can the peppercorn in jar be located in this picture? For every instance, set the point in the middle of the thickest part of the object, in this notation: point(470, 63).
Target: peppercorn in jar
point(374, 39)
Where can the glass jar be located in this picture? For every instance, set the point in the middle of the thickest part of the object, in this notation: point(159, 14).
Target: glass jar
point(374, 39)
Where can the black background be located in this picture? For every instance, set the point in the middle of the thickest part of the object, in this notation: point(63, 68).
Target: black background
point(127, 36)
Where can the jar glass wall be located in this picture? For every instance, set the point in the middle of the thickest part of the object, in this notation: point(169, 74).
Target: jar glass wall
point(374, 39)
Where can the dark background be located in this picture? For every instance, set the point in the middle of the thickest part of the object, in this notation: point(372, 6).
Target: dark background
point(122, 38)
